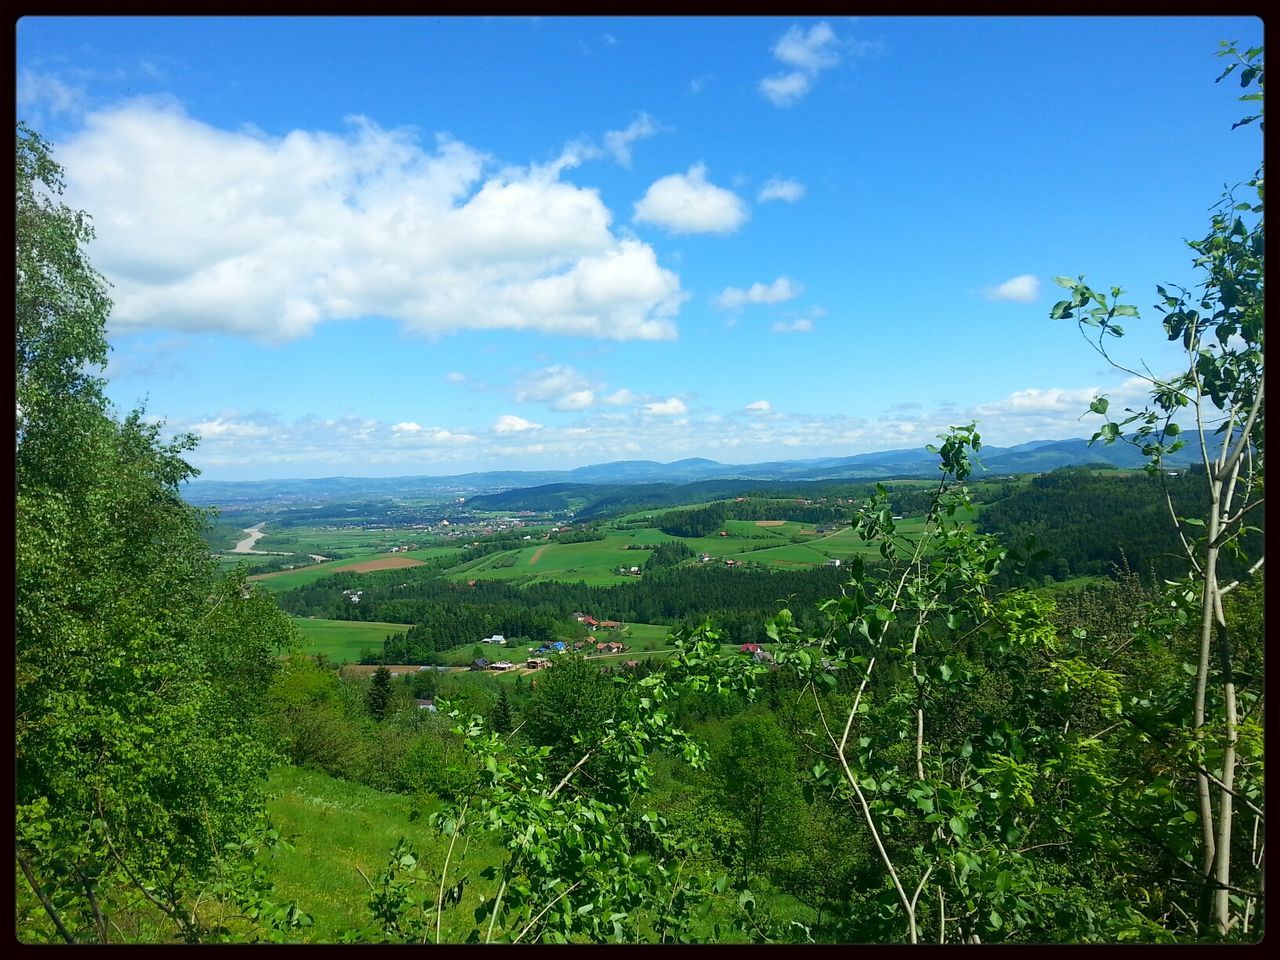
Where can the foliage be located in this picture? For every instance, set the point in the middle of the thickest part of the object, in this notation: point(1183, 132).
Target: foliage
point(1218, 396)
point(139, 673)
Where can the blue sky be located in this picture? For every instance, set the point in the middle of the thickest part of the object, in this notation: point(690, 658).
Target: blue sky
point(375, 247)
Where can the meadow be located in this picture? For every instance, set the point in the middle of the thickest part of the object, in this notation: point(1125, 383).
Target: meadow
point(343, 640)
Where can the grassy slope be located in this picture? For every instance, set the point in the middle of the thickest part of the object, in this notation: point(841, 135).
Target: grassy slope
point(337, 826)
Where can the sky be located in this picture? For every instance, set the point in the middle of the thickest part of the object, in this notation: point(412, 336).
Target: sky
point(406, 246)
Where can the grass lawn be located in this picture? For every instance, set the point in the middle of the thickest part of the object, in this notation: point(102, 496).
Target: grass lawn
point(342, 640)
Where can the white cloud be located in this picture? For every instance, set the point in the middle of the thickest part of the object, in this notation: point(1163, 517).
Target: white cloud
point(1021, 289)
point(564, 388)
point(618, 142)
point(40, 94)
point(200, 228)
point(687, 203)
point(510, 423)
point(759, 406)
point(455, 377)
point(620, 398)
point(812, 50)
point(779, 189)
point(218, 427)
point(808, 53)
point(785, 89)
point(803, 325)
point(780, 291)
point(1034, 401)
point(671, 407)
point(408, 427)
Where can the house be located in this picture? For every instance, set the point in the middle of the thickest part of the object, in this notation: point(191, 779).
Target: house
point(610, 625)
point(537, 663)
point(480, 663)
point(833, 563)
point(428, 705)
point(589, 622)
point(762, 656)
point(724, 533)
point(497, 638)
point(501, 665)
point(611, 646)
point(749, 648)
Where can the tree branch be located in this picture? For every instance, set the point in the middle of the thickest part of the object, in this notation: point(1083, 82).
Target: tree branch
point(44, 899)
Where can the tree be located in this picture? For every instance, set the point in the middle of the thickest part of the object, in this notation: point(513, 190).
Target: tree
point(1219, 389)
point(572, 703)
point(759, 784)
point(378, 696)
point(139, 672)
point(503, 717)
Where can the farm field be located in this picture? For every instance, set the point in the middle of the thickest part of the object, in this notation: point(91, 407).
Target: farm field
point(288, 579)
point(342, 640)
point(321, 540)
point(594, 562)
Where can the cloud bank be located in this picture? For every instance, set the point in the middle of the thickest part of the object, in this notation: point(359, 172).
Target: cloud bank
point(204, 229)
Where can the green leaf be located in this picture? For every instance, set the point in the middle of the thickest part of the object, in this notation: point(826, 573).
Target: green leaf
point(1100, 405)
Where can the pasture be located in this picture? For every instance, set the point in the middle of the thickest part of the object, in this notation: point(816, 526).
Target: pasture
point(288, 579)
point(342, 640)
point(595, 562)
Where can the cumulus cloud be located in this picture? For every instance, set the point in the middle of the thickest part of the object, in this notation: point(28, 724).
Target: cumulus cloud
point(759, 406)
point(408, 427)
point(618, 142)
point(688, 203)
point(510, 423)
point(780, 291)
point(1020, 289)
point(808, 53)
point(620, 398)
point(200, 228)
point(671, 407)
point(802, 325)
point(778, 189)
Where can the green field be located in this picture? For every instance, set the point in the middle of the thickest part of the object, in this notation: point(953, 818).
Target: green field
point(289, 579)
point(340, 829)
point(321, 540)
point(594, 562)
point(342, 640)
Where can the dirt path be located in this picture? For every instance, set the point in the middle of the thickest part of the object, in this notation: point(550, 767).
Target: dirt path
point(536, 554)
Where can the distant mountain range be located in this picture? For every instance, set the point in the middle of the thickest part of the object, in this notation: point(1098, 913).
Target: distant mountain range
point(1037, 456)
